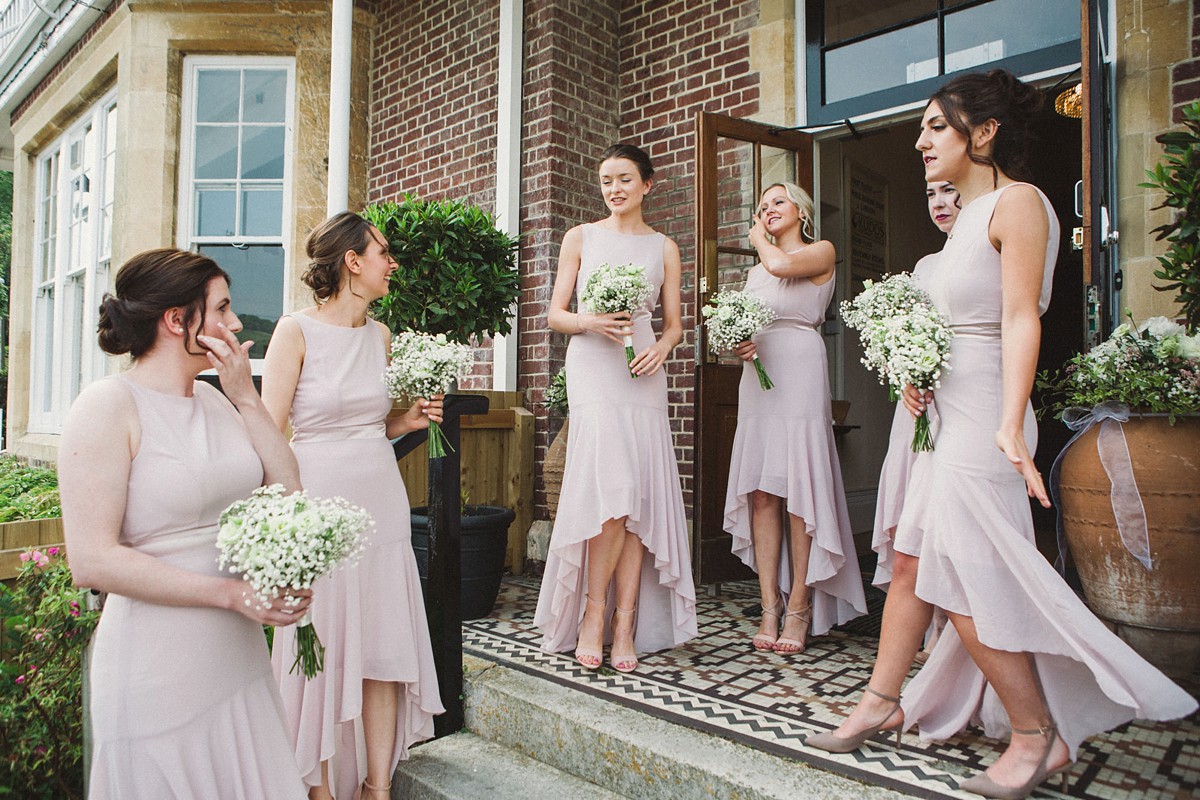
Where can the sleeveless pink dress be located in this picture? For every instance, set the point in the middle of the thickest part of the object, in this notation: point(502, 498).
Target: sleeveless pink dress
point(620, 462)
point(370, 615)
point(966, 516)
point(784, 446)
point(182, 701)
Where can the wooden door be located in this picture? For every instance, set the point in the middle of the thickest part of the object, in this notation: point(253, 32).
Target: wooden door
point(735, 159)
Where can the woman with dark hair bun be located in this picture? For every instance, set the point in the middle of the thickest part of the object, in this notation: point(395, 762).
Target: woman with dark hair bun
point(618, 568)
point(324, 372)
point(182, 700)
point(1022, 654)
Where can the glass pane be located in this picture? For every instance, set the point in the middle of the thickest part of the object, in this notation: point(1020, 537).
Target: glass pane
point(262, 152)
point(778, 166)
point(845, 19)
point(99, 359)
point(216, 211)
point(891, 59)
point(45, 382)
point(216, 151)
point(257, 291)
point(735, 193)
point(264, 95)
point(217, 92)
point(80, 252)
point(999, 29)
point(73, 334)
point(262, 212)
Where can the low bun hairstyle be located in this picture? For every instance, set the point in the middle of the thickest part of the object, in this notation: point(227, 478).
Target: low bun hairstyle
point(972, 99)
point(327, 246)
point(635, 154)
point(146, 286)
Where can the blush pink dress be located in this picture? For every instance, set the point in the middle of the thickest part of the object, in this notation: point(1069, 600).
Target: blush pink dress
point(620, 462)
point(370, 615)
point(784, 446)
point(182, 701)
point(966, 516)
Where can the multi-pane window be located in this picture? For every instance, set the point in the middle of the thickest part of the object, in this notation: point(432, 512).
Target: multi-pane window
point(236, 150)
point(75, 177)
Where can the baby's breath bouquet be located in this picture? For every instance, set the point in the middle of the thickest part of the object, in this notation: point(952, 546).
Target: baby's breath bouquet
point(905, 339)
point(1153, 367)
point(618, 289)
point(732, 319)
point(287, 541)
point(424, 365)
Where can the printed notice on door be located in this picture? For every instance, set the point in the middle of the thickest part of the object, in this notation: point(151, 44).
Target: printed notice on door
point(868, 225)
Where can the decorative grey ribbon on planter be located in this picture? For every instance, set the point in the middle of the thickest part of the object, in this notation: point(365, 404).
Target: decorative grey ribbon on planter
point(1127, 506)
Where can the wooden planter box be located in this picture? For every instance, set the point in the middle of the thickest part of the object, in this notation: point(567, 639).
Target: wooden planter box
point(15, 537)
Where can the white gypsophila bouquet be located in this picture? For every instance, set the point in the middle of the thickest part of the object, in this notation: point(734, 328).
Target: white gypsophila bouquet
point(425, 365)
point(620, 289)
point(732, 319)
point(904, 338)
point(283, 541)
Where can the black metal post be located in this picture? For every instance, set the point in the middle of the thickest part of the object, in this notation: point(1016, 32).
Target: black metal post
point(444, 583)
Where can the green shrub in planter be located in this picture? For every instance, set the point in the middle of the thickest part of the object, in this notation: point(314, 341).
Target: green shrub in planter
point(457, 272)
point(27, 492)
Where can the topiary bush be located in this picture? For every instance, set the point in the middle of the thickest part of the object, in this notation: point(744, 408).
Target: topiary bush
point(457, 272)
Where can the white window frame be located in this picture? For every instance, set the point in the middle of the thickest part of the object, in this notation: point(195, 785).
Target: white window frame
point(70, 351)
point(185, 207)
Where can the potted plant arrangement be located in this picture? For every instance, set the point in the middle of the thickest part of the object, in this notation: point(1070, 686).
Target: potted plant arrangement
point(1128, 483)
point(556, 454)
point(456, 275)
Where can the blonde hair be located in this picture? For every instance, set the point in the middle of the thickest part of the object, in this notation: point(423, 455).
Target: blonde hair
point(800, 199)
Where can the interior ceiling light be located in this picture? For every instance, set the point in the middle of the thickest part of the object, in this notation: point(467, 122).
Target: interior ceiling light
point(1070, 102)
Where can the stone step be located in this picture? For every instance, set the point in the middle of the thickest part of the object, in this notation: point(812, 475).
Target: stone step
point(632, 753)
point(467, 767)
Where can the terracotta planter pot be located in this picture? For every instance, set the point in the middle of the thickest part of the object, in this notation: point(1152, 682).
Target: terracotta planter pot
point(552, 468)
point(1157, 612)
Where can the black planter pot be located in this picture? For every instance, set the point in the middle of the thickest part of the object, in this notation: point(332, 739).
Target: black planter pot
point(484, 542)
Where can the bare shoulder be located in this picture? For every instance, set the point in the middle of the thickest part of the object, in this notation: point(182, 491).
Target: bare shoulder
point(384, 333)
point(670, 249)
point(1022, 201)
point(823, 249)
point(105, 409)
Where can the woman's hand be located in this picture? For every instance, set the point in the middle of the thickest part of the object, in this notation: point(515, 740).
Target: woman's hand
point(649, 360)
point(615, 326)
point(425, 411)
point(231, 360)
point(758, 233)
point(280, 612)
point(915, 400)
point(746, 351)
point(1012, 444)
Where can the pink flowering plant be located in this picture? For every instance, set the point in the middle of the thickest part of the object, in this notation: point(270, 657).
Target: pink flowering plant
point(46, 626)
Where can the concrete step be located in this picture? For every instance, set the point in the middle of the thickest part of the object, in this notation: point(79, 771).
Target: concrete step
point(467, 767)
point(632, 753)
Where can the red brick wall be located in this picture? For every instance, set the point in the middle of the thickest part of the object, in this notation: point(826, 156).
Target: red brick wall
point(1185, 76)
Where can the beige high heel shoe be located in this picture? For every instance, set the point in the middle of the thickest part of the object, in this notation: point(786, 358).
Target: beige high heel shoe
point(790, 647)
point(591, 657)
point(984, 786)
point(624, 663)
point(836, 744)
point(765, 642)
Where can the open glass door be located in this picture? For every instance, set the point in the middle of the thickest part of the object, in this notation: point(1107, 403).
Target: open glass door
point(735, 159)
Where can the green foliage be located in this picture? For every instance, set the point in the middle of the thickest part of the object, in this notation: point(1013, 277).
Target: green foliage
point(1178, 176)
point(46, 628)
point(27, 492)
point(556, 393)
point(457, 272)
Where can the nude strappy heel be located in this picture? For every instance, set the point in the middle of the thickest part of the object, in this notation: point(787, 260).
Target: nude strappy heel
point(624, 663)
point(836, 744)
point(590, 657)
point(765, 642)
point(789, 647)
point(984, 786)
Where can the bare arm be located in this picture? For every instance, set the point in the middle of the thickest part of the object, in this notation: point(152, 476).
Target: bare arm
point(95, 458)
point(1019, 229)
point(281, 370)
point(232, 363)
point(649, 360)
point(560, 319)
point(815, 261)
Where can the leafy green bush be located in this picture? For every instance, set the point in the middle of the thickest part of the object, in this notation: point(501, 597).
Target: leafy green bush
point(556, 393)
point(46, 629)
point(457, 273)
point(27, 492)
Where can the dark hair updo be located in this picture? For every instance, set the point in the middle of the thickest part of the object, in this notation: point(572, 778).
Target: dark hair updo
point(972, 99)
point(327, 246)
point(147, 285)
point(635, 154)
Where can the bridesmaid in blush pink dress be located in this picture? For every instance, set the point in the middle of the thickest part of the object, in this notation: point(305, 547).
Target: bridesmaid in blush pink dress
point(352, 723)
point(1023, 655)
point(784, 459)
point(182, 702)
point(619, 549)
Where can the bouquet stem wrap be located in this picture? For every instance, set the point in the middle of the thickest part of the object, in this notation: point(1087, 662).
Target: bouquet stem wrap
point(629, 354)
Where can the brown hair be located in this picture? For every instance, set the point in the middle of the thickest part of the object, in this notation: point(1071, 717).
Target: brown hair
point(146, 286)
point(327, 246)
point(972, 99)
point(632, 152)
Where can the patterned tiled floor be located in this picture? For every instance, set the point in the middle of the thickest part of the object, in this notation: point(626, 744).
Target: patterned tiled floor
point(718, 684)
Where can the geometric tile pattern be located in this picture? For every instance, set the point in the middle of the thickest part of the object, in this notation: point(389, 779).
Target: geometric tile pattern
point(719, 684)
